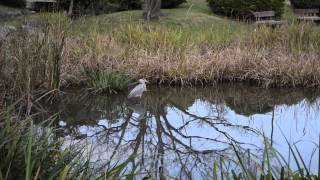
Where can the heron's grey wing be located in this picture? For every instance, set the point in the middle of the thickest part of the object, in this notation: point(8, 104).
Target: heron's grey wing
point(136, 91)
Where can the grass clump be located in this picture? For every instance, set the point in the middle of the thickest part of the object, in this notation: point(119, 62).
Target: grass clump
point(30, 151)
point(36, 151)
point(271, 165)
point(106, 82)
point(31, 57)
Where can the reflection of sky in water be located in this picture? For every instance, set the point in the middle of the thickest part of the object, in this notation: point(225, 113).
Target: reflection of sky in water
point(298, 123)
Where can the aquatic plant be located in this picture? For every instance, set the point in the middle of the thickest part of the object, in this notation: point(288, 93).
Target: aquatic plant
point(103, 81)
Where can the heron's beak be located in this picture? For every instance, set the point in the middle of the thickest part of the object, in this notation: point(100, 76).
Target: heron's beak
point(147, 82)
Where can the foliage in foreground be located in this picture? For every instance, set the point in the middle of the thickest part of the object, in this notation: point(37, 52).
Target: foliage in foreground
point(30, 151)
point(272, 165)
point(243, 9)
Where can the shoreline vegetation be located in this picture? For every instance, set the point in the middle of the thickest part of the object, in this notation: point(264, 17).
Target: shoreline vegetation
point(106, 54)
point(187, 47)
point(287, 56)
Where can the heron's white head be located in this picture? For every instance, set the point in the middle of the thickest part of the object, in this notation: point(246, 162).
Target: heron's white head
point(143, 81)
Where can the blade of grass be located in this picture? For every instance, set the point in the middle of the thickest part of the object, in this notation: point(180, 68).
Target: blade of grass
point(295, 158)
point(319, 158)
point(282, 173)
point(115, 171)
point(64, 173)
point(240, 161)
point(29, 153)
point(268, 159)
point(303, 163)
point(235, 177)
point(215, 175)
point(221, 167)
point(1, 178)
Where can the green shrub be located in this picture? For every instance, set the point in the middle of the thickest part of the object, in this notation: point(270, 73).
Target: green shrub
point(101, 6)
point(171, 3)
point(243, 8)
point(14, 3)
point(128, 4)
point(304, 4)
point(108, 6)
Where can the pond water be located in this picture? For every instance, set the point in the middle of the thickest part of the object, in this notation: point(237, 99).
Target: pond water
point(180, 132)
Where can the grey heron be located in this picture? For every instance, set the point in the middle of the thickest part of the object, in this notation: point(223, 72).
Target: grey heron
point(139, 89)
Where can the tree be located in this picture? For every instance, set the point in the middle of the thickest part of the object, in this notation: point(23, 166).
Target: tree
point(70, 10)
point(151, 9)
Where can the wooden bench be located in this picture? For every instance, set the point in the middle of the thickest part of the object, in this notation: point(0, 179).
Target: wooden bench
point(307, 14)
point(266, 18)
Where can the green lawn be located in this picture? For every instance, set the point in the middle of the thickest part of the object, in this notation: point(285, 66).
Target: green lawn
point(189, 16)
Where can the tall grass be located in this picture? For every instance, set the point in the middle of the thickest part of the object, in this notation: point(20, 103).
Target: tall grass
point(102, 82)
point(31, 59)
point(285, 57)
point(35, 151)
point(272, 165)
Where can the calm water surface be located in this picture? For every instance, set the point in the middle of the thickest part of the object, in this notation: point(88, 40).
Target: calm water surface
point(179, 133)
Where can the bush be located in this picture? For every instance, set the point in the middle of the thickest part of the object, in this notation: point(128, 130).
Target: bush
point(304, 4)
point(171, 3)
point(243, 8)
point(108, 6)
point(128, 4)
point(101, 6)
point(14, 3)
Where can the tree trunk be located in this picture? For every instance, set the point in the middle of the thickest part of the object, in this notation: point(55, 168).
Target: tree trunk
point(70, 11)
point(151, 9)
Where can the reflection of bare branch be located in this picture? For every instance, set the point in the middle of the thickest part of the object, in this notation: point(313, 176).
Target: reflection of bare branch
point(124, 127)
point(155, 138)
point(213, 122)
point(159, 168)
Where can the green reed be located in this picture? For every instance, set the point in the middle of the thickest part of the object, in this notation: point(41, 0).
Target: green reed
point(35, 151)
point(106, 82)
point(264, 168)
